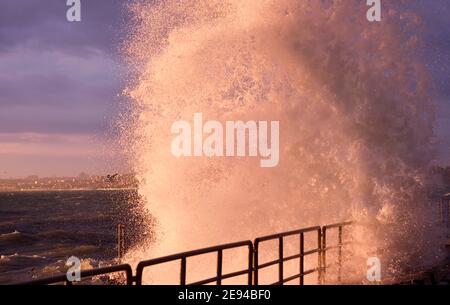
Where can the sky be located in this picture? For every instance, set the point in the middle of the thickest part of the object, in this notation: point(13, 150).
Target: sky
point(60, 84)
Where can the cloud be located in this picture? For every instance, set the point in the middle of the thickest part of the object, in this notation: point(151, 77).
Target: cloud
point(43, 25)
point(57, 92)
point(57, 76)
point(31, 77)
point(36, 144)
point(22, 154)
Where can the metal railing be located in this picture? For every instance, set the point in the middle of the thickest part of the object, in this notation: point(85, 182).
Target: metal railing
point(182, 257)
point(253, 267)
point(282, 259)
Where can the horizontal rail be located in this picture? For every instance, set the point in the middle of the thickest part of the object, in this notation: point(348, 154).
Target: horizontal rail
point(337, 225)
point(288, 258)
point(286, 234)
point(85, 274)
point(223, 277)
point(169, 258)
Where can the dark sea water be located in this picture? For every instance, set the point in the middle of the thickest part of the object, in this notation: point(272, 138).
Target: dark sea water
point(39, 231)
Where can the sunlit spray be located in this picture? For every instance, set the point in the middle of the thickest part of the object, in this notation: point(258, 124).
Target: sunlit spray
point(355, 124)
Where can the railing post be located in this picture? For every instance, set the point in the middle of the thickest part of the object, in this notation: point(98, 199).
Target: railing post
point(340, 255)
point(324, 255)
point(256, 262)
point(138, 278)
point(250, 263)
point(302, 259)
point(319, 263)
point(183, 271)
point(219, 267)
point(281, 257)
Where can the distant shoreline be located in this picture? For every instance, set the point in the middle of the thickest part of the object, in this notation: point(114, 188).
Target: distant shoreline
point(67, 190)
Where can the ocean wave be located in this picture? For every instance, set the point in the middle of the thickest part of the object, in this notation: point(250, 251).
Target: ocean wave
point(14, 237)
point(55, 234)
point(68, 251)
point(10, 234)
point(43, 235)
point(16, 257)
point(32, 271)
point(20, 237)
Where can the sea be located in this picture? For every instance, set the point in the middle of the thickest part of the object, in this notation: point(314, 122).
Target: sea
point(40, 230)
